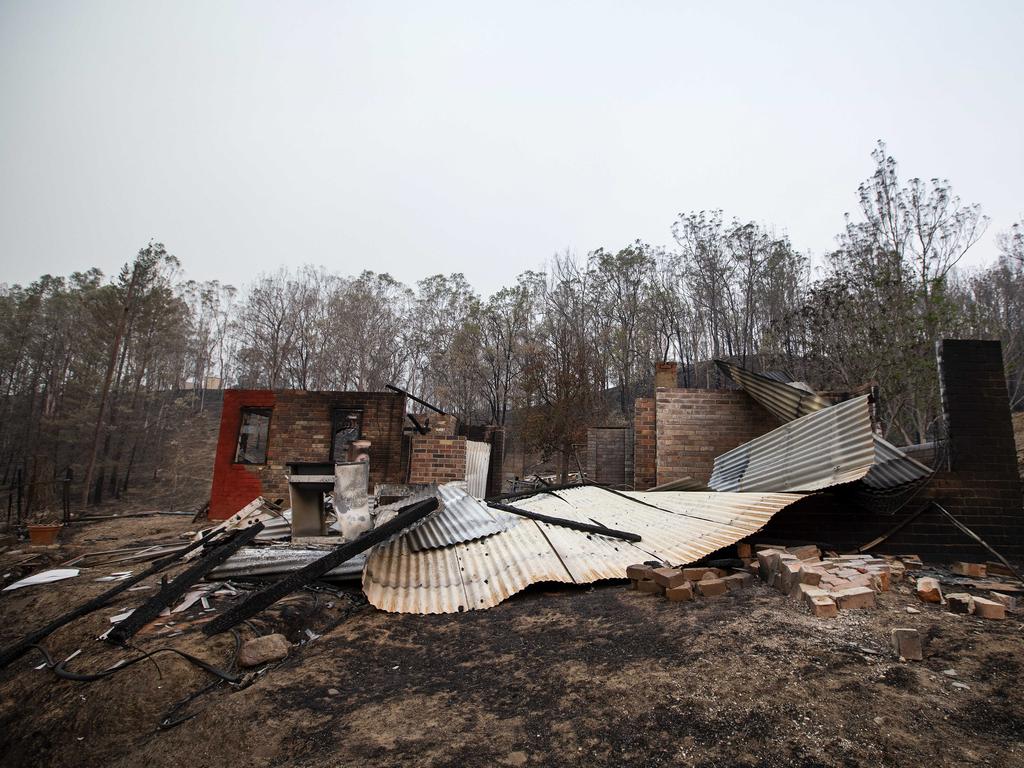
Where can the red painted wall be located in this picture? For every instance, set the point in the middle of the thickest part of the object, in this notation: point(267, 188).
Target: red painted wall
point(235, 485)
point(300, 430)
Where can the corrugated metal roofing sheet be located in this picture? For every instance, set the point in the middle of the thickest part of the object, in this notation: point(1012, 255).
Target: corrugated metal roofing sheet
point(461, 518)
point(893, 468)
point(676, 527)
point(686, 483)
point(271, 561)
point(478, 462)
point(785, 401)
point(829, 447)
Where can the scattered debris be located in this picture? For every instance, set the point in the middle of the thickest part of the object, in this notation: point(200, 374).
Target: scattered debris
point(680, 585)
point(177, 587)
point(267, 597)
point(43, 577)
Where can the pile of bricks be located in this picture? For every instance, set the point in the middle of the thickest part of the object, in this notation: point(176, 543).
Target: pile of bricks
point(993, 607)
point(825, 585)
point(684, 584)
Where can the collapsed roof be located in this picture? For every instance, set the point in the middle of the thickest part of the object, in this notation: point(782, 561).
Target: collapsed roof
point(820, 445)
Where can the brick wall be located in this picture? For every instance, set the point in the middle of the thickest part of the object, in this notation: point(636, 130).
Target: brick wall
point(645, 442)
point(300, 431)
point(696, 425)
point(437, 459)
point(610, 456)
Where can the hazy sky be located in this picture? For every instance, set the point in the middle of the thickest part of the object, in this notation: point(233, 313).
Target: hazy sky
point(428, 137)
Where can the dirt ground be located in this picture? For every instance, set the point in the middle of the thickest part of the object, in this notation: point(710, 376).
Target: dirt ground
point(554, 676)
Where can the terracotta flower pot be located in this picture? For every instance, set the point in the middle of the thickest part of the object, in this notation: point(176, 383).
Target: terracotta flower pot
point(43, 535)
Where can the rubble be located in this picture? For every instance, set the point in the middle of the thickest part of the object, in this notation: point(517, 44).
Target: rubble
point(262, 650)
point(825, 585)
point(649, 586)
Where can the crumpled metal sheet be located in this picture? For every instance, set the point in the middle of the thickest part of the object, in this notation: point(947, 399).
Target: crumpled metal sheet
point(679, 528)
point(891, 470)
point(825, 448)
point(783, 400)
point(461, 518)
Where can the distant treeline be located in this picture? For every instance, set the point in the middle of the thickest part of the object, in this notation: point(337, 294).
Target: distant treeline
point(86, 363)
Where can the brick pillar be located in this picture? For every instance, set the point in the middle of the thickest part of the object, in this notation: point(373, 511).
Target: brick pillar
point(983, 488)
point(645, 445)
point(666, 375)
point(495, 472)
point(976, 407)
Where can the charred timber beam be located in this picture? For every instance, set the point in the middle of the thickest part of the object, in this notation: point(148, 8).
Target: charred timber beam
point(264, 599)
point(415, 399)
point(560, 521)
point(173, 591)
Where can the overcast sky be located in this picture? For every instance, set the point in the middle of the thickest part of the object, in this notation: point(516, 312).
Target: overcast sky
point(427, 137)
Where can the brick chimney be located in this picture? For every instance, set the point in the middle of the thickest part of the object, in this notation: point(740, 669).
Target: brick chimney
point(666, 375)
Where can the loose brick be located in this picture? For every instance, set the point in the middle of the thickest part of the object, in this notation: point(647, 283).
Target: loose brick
point(879, 581)
point(1008, 602)
point(768, 561)
point(806, 591)
point(667, 577)
point(806, 552)
point(974, 570)
point(695, 574)
point(960, 602)
point(823, 607)
point(744, 550)
point(810, 574)
point(648, 587)
point(638, 572)
point(855, 597)
point(989, 609)
point(789, 575)
point(907, 643)
point(712, 587)
point(738, 581)
point(680, 594)
point(928, 590)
